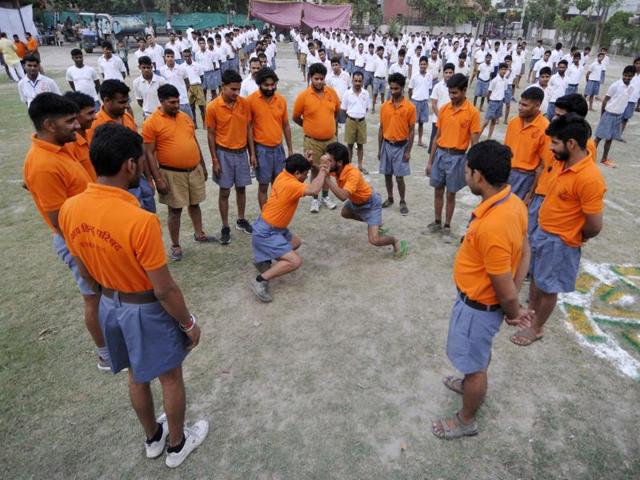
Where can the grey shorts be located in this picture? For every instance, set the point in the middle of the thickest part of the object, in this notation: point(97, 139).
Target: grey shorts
point(370, 212)
point(521, 182)
point(554, 264)
point(235, 168)
point(494, 110)
point(609, 127)
point(470, 337)
point(268, 242)
point(534, 209)
point(143, 338)
point(270, 163)
point(65, 255)
point(448, 170)
point(391, 160)
point(422, 110)
point(379, 85)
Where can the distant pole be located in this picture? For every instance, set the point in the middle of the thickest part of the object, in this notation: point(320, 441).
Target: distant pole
point(16, 4)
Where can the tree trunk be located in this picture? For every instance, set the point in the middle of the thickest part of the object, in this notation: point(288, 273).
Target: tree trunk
point(600, 29)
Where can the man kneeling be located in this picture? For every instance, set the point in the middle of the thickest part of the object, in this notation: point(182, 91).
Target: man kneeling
point(271, 239)
point(361, 203)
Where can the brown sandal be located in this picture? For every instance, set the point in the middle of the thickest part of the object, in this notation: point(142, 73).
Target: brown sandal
point(527, 335)
point(454, 384)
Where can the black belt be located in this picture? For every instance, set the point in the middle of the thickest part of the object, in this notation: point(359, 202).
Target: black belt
point(137, 298)
point(232, 150)
point(401, 143)
point(477, 305)
point(380, 78)
point(522, 170)
point(356, 119)
point(573, 84)
point(174, 169)
point(452, 151)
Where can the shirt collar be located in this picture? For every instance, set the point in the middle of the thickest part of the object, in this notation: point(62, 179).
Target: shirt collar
point(38, 78)
point(484, 207)
point(112, 192)
point(581, 165)
point(51, 147)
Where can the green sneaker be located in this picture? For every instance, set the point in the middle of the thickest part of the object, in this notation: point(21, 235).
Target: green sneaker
point(404, 249)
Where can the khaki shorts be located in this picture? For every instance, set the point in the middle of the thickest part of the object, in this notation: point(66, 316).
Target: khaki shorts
point(196, 95)
point(185, 188)
point(355, 132)
point(303, 59)
point(317, 147)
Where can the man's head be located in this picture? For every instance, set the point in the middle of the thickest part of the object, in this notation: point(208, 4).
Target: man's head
point(572, 103)
point(545, 75)
point(32, 66)
point(115, 97)
point(231, 81)
point(530, 101)
point(462, 59)
point(142, 43)
point(338, 156)
point(402, 53)
point(317, 74)
point(86, 108)
point(569, 134)
point(151, 40)
point(434, 54)
point(298, 166)
point(636, 65)
point(264, 62)
point(169, 57)
point(562, 67)
point(628, 73)
point(546, 55)
point(335, 66)
point(146, 67)
point(77, 57)
point(502, 69)
point(457, 86)
point(254, 66)
point(371, 48)
point(600, 57)
point(169, 99)
point(322, 53)
point(423, 65)
point(54, 116)
point(558, 46)
point(488, 165)
point(397, 82)
point(267, 81)
point(356, 80)
point(380, 51)
point(107, 49)
point(116, 151)
point(16, 38)
point(187, 56)
point(487, 58)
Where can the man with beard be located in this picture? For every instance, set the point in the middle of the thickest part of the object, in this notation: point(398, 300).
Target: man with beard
point(571, 214)
point(269, 121)
point(51, 175)
point(79, 148)
point(143, 316)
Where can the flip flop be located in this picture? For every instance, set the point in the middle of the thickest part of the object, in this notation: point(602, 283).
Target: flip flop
point(404, 249)
point(454, 384)
point(528, 336)
point(459, 430)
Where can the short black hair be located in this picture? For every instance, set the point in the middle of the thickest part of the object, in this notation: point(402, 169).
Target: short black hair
point(109, 88)
point(629, 69)
point(449, 66)
point(49, 105)
point(265, 73)
point(111, 146)
point(545, 71)
point(357, 72)
point(397, 78)
point(254, 60)
point(31, 58)
point(231, 76)
point(424, 58)
point(317, 68)
point(563, 62)
point(338, 151)
point(335, 60)
point(570, 126)
point(402, 52)
point(108, 45)
point(167, 91)
point(502, 65)
point(297, 163)
point(459, 81)
point(82, 100)
point(169, 51)
point(533, 93)
point(573, 103)
point(145, 60)
point(492, 159)
point(76, 51)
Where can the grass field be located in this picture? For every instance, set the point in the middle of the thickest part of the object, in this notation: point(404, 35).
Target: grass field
point(338, 378)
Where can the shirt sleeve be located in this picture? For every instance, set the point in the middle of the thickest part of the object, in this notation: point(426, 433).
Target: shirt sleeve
point(475, 122)
point(54, 87)
point(136, 91)
point(496, 253)
point(591, 196)
point(298, 106)
point(148, 132)
point(351, 182)
point(68, 77)
point(148, 245)
point(210, 116)
point(48, 187)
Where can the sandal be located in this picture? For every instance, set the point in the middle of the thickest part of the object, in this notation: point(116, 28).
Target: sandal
point(176, 253)
point(458, 430)
point(527, 337)
point(454, 384)
point(387, 203)
point(204, 238)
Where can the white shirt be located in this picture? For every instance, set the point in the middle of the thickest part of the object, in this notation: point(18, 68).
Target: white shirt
point(619, 94)
point(434, 67)
point(605, 62)
point(312, 58)
point(497, 87)
point(574, 74)
point(83, 80)
point(177, 49)
point(440, 93)
point(397, 68)
point(511, 76)
point(340, 83)
point(28, 89)
point(557, 86)
point(112, 69)
point(147, 91)
point(356, 105)
point(545, 100)
point(465, 70)
point(635, 94)
point(176, 77)
point(420, 86)
point(484, 71)
point(205, 59)
point(479, 56)
point(555, 57)
point(540, 64)
point(381, 68)
point(369, 62)
point(248, 86)
point(595, 70)
point(537, 53)
point(194, 72)
point(360, 59)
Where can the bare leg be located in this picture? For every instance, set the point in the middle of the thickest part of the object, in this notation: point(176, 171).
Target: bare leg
point(241, 201)
point(91, 321)
point(202, 114)
point(142, 403)
point(173, 224)
point(438, 203)
point(263, 191)
point(360, 155)
point(195, 118)
point(475, 389)
point(388, 181)
point(420, 132)
point(350, 148)
point(507, 110)
point(607, 147)
point(174, 399)
point(451, 206)
point(401, 187)
point(196, 218)
point(223, 205)
point(287, 263)
point(543, 307)
point(492, 126)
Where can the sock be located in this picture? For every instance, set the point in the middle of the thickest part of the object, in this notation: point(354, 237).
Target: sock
point(260, 278)
point(157, 436)
point(103, 353)
point(178, 447)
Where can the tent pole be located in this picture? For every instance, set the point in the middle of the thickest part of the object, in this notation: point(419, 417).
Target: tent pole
point(16, 3)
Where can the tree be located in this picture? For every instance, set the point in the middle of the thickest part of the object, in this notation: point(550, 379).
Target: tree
point(602, 8)
point(618, 29)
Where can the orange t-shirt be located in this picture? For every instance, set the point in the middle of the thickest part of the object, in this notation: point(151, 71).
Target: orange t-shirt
point(549, 173)
point(21, 49)
point(52, 175)
point(287, 190)
point(352, 181)
point(456, 126)
point(574, 192)
point(80, 151)
point(318, 112)
point(174, 137)
point(230, 124)
point(268, 118)
point(396, 121)
point(32, 44)
point(103, 117)
point(116, 240)
point(492, 245)
point(528, 144)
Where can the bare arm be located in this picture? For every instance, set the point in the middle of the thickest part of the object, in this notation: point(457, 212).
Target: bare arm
point(298, 120)
point(72, 85)
point(604, 104)
point(53, 218)
point(592, 225)
point(380, 138)
point(434, 107)
point(407, 152)
point(337, 191)
point(211, 139)
point(475, 137)
point(252, 147)
point(84, 273)
point(287, 137)
point(97, 85)
point(523, 267)
point(316, 185)
point(507, 294)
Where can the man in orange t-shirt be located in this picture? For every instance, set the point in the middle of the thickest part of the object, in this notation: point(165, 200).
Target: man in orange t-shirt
point(115, 104)
point(86, 115)
point(228, 120)
point(177, 166)
point(271, 239)
point(316, 109)
point(52, 175)
point(488, 271)
point(143, 316)
point(361, 203)
point(571, 213)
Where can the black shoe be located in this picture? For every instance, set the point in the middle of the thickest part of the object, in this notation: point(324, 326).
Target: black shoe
point(225, 235)
point(244, 226)
point(404, 210)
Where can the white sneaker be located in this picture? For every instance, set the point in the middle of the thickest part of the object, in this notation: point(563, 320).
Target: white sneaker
point(194, 436)
point(327, 202)
point(315, 205)
point(155, 449)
